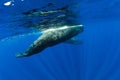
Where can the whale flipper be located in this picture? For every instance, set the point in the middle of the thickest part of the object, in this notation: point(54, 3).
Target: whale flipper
point(73, 41)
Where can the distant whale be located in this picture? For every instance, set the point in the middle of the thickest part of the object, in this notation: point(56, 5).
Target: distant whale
point(51, 37)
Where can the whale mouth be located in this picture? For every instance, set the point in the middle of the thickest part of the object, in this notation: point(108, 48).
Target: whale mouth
point(63, 28)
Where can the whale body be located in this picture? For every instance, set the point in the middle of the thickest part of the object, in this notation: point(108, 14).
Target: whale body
point(51, 37)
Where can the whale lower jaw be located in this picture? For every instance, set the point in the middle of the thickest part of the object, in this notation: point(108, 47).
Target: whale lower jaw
point(18, 55)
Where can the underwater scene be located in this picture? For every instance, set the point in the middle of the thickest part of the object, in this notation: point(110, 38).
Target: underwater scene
point(59, 40)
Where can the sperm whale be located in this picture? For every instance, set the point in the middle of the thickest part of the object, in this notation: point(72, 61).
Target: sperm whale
point(51, 37)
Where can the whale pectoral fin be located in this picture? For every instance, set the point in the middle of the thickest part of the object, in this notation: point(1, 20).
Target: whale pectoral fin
point(73, 41)
point(18, 55)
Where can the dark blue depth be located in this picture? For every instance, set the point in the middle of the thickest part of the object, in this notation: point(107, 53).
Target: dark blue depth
point(96, 58)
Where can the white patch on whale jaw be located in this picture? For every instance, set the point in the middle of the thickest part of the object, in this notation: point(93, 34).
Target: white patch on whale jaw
point(61, 28)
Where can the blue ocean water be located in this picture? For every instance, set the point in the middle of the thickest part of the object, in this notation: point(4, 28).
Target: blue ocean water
point(96, 58)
